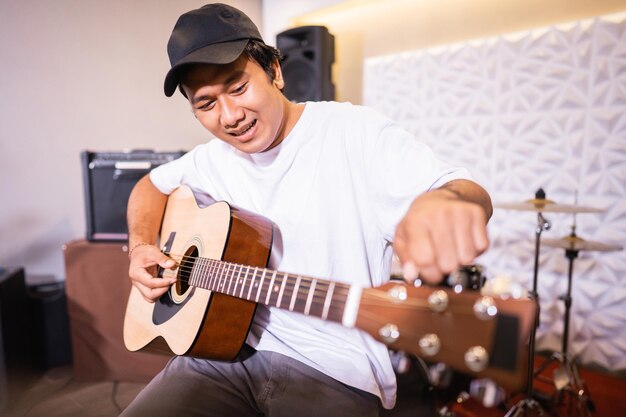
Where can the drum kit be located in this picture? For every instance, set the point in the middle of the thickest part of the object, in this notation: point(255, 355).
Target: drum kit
point(567, 380)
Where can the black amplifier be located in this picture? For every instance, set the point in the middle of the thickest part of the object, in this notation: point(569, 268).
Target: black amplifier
point(108, 179)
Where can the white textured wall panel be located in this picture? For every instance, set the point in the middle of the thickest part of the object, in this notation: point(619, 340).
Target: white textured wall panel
point(544, 108)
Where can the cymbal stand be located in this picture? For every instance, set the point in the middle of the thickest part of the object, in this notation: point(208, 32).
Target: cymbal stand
point(566, 378)
point(528, 403)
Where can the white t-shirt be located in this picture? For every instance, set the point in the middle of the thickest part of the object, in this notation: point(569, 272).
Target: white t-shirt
point(336, 187)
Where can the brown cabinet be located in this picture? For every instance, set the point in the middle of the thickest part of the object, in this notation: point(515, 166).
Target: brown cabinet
point(97, 288)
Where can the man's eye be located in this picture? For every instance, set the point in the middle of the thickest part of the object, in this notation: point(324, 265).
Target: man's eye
point(206, 105)
point(240, 88)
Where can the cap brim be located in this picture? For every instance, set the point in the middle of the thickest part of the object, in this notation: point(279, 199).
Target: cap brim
point(219, 53)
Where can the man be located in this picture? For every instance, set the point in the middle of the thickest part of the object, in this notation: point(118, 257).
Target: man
point(341, 182)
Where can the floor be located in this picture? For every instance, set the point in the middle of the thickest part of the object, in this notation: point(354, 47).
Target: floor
point(56, 393)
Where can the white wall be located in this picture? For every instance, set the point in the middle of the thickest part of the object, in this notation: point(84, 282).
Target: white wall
point(76, 75)
point(540, 108)
point(367, 28)
point(278, 14)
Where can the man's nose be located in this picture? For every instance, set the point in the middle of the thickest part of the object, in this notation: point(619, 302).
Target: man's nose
point(231, 113)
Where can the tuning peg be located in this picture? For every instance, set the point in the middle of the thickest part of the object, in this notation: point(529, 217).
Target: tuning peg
point(398, 293)
point(438, 301)
point(389, 333)
point(485, 308)
point(429, 344)
point(477, 358)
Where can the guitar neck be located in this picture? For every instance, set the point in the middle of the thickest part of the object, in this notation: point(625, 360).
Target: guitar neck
point(310, 296)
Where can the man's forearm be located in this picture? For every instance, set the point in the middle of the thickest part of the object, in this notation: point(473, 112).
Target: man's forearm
point(470, 191)
point(146, 205)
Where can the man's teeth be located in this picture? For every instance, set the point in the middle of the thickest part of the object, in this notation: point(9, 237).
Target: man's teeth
point(246, 129)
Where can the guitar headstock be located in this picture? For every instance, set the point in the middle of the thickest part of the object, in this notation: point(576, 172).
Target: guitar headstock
point(479, 333)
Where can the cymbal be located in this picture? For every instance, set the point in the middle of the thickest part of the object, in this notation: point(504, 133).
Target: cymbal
point(573, 242)
point(545, 205)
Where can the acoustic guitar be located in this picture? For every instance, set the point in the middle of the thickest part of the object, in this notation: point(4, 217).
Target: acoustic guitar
point(222, 253)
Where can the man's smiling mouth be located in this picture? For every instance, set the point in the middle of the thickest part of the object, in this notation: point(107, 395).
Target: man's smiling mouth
point(245, 130)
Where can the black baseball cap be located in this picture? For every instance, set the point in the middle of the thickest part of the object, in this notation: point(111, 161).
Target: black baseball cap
point(213, 34)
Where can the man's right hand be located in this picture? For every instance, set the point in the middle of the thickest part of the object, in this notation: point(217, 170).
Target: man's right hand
point(143, 262)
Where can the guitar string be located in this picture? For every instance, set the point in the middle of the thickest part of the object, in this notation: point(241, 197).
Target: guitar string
point(380, 298)
point(341, 289)
point(374, 298)
point(247, 276)
point(249, 272)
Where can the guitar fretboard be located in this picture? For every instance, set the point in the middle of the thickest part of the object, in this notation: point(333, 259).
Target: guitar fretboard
point(298, 293)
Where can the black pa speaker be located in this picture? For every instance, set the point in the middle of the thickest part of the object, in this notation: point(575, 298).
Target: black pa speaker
point(51, 325)
point(308, 54)
point(108, 179)
point(16, 343)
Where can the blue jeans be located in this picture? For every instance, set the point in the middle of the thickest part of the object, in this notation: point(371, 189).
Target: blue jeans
point(260, 383)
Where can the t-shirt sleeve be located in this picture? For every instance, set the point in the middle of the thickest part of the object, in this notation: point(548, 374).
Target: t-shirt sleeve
point(169, 176)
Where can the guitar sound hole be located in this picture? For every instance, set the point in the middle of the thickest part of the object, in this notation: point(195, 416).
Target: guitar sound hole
point(184, 270)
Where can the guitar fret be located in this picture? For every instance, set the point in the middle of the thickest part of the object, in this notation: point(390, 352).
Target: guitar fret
point(236, 279)
point(329, 296)
point(221, 275)
point(212, 274)
point(269, 290)
point(218, 276)
point(206, 274)
point(338, 303)
point(233, 275)
point(230, 282)
point(310, 297)
point(258, 292)
point(295, 293)
point(252, 282)
point(243, 284)
point(197, 274)
point(282, 289)
point(230, 271)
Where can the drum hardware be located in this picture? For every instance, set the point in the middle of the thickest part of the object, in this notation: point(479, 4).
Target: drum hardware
point(542, 205)
point(566, 378)
point(538, 204)
point(567, 375)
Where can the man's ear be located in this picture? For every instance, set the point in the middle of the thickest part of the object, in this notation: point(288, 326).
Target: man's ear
point(278, 76)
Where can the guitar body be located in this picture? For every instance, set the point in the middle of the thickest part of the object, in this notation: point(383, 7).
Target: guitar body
point(191, 320)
